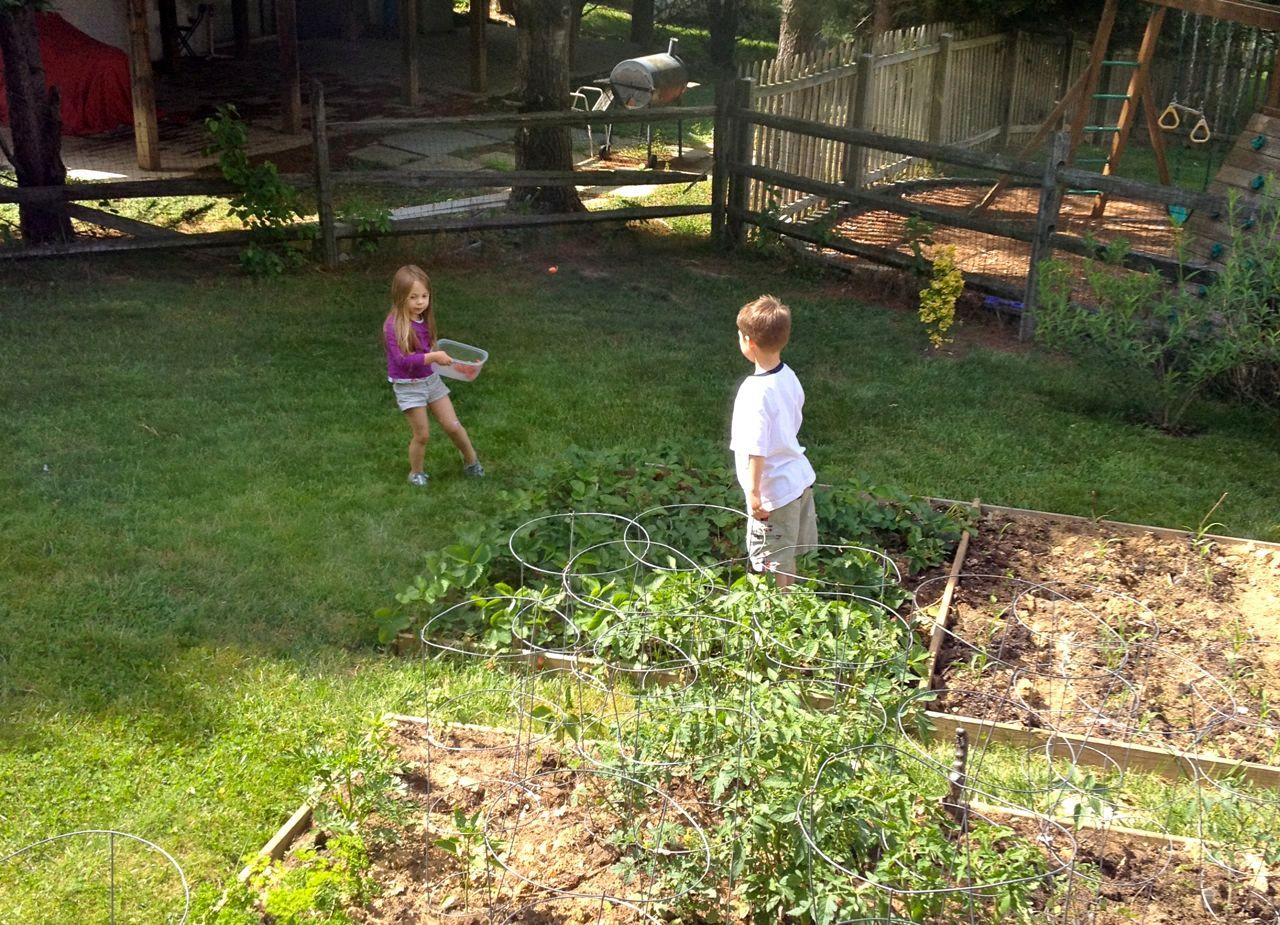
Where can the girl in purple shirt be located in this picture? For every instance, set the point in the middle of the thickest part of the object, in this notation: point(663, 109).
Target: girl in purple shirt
point(409, 333)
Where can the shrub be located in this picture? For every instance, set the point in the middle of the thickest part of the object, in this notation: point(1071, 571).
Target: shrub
point(1166, 342)
point(938, 299)
point(265, 203)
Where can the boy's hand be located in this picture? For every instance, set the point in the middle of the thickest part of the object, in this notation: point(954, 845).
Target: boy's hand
point(754, 503)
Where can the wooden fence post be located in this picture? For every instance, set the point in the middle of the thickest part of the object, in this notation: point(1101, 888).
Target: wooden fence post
point(855, 156)
point(1011, 96)
point(721, 147)
point(146, 132)
point(478, 18)
point(1046, 224)
point(290, 76)
point(240, 27)
point(739, 156)
point(324, 183)
point(938, 109)
point(410, 88)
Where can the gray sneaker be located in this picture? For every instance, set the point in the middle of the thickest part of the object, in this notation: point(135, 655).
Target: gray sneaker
point(418, 478)
point(475, 470)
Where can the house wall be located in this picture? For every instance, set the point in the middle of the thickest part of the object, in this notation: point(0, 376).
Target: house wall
point(105, 22)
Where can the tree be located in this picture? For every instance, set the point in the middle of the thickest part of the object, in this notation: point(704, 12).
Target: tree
point(881, 16)
point(542, 55)
point(34, 119)
point(723, 36)
point(642, 22)
point(801, 27)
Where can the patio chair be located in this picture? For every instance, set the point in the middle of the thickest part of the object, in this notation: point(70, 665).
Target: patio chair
point(583, 102)
point(203, 11)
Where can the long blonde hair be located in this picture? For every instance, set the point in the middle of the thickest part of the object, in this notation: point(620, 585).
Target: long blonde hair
point(401, 284)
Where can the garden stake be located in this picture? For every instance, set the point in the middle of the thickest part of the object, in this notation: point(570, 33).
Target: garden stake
point(954, 802)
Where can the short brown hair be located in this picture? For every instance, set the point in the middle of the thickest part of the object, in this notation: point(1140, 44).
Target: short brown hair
point(767, 321)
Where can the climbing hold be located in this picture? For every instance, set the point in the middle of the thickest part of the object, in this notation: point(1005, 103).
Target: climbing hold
point(1179, 214)
point(1259, 142)
point(1257, 182)
point(1247, 223)
point(1202, 291)
point(1216, 251)
point(1214, 216)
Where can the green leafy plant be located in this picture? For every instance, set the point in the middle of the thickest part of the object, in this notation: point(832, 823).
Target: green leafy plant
point(265, 203)
point(357, 780)
point(938, 299)
point(871, 814)
point(370, 221)
point(1168, 341)
point(449, 573)
point(466, 846)
point(320, 886)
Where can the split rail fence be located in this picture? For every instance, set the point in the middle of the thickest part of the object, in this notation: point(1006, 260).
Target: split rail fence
point(762, 157)
point(1052, 178)
point(328, 228)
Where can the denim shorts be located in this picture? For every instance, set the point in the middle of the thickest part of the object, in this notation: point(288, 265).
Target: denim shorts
point(418, 393)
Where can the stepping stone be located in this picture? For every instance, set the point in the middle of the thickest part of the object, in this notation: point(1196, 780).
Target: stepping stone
point(379, 156)
point(441, 162)
point(436, 141)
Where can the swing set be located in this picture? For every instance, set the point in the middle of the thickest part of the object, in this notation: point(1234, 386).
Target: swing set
point(1081, 95)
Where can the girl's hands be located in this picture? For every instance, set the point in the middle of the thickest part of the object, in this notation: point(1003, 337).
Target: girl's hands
point(439, 356)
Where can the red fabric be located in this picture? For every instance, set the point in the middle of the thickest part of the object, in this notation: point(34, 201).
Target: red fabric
point(92, 78)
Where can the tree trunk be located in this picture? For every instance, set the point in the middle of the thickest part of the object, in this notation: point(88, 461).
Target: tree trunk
point(881, 17)
point(36, 124)
point(642, 22)
point(724, 34)
point(801, 28)
point(542, 51)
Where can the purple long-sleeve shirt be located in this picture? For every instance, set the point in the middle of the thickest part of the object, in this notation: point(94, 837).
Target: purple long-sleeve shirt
point(407, 365)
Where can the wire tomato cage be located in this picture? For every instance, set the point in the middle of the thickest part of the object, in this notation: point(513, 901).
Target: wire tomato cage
point(637, 661)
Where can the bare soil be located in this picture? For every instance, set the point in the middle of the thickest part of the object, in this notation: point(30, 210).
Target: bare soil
point(556, 829)
point(1076, 627)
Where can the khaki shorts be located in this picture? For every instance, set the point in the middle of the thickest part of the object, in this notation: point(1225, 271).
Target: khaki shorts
point(772, 544)
point(418, 393)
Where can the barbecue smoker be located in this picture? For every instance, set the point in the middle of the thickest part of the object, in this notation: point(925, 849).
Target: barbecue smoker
point(648, 82)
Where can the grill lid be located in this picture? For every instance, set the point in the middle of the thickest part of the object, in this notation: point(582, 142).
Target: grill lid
point(651, 80)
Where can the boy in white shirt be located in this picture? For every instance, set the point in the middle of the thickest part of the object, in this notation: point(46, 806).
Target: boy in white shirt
point(772, 469)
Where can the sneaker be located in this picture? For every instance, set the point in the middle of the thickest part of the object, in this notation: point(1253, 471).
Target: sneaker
point(475, 470)
point(418, 478)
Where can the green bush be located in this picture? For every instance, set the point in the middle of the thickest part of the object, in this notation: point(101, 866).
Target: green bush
point(1167, 343)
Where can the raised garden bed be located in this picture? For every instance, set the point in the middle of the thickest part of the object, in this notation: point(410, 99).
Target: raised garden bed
point(695, 745)
point(551, 835)
point(1158, 639)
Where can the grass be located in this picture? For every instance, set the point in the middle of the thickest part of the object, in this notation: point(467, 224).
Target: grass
point(204, 493)
point(609, 23)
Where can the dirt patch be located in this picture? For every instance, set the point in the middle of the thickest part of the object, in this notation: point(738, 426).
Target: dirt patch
point(561, 826)
point(554, 825)
point(1070, 626)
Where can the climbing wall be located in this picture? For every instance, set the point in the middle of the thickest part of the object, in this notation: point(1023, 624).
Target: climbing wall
point(1253, 162)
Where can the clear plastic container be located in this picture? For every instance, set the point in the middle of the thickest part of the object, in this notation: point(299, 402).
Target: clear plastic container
point(467, 360)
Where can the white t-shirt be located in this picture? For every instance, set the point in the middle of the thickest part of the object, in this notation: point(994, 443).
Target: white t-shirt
point(766, 421)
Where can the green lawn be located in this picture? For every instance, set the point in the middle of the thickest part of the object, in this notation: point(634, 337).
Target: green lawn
point(203, 495)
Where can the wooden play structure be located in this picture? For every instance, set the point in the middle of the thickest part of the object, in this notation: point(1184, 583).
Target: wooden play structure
point(1256, 153)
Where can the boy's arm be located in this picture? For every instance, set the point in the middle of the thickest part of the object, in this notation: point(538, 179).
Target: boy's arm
point(755, 472)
